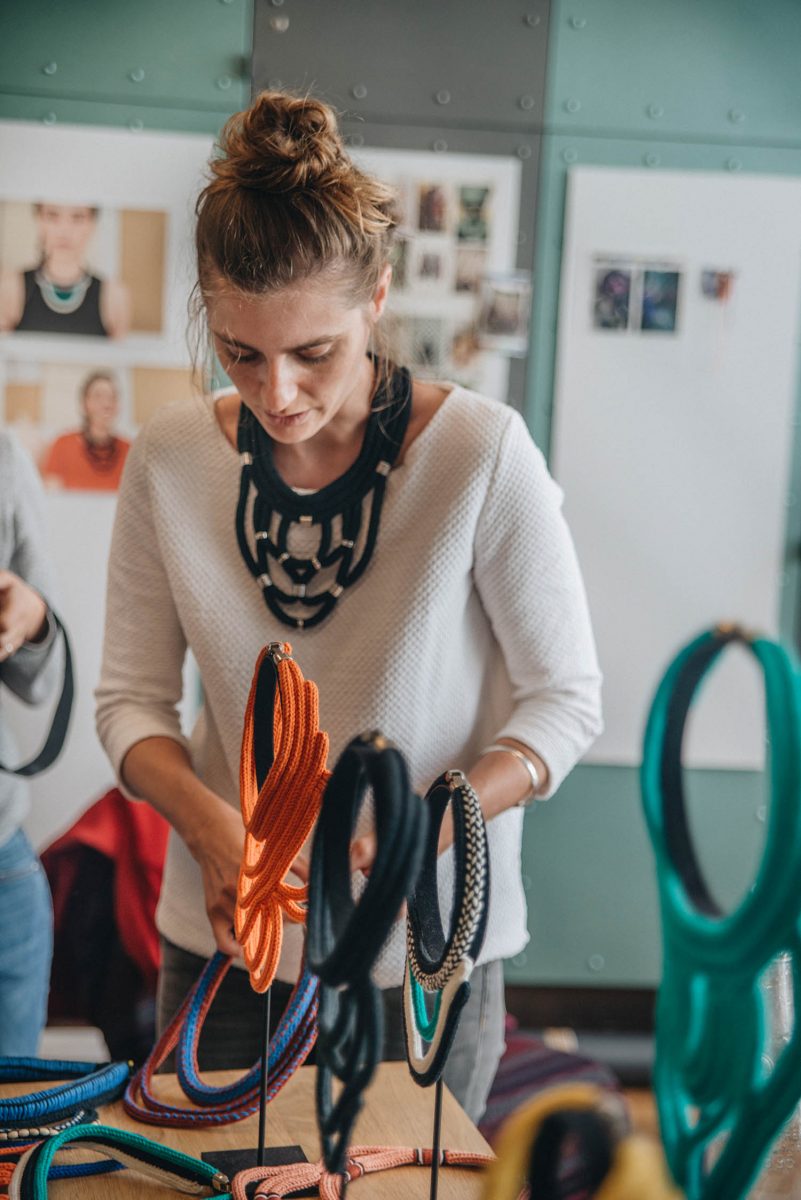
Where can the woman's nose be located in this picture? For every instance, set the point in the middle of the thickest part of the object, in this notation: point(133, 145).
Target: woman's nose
point(278, 389)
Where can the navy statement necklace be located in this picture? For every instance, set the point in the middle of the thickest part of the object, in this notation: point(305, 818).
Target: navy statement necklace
point(306, 549)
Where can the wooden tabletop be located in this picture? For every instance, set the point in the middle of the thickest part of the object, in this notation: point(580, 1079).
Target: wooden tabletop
point(396, 1113)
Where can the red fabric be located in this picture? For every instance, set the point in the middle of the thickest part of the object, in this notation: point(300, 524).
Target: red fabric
point(134, 837)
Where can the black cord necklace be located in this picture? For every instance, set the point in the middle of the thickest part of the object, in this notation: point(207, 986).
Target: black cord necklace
point(307, 549)
point(344, 936)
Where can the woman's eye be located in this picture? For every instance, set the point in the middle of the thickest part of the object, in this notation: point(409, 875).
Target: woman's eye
point(317, 358)
point(235, 357)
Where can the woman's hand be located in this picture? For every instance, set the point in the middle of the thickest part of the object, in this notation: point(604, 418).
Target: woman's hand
point(23, 614)
point(362, 853)
point(217, 845)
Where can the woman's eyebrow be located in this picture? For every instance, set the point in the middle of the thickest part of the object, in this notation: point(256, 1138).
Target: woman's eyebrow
point(318, 341)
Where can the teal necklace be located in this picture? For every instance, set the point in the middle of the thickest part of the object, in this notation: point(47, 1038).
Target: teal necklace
point(63, 299)
point(713, 1092)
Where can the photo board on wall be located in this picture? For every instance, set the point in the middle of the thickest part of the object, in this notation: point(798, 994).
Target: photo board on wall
point(96, 268)
point(676, 392)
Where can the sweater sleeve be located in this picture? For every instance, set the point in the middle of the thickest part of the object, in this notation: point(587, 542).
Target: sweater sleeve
point(32, 673)
point(144, 645)
point(529, 581)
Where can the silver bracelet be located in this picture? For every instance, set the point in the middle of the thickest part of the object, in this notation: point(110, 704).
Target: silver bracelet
point(533, 773)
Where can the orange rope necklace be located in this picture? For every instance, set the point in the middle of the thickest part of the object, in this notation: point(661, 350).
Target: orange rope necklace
point(275, 1182)
point(281, 788)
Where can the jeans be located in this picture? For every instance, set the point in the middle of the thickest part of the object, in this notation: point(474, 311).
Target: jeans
point(231, 1035)
point(26, 946)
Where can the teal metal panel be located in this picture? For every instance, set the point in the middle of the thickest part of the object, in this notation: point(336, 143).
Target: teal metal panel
point(714, 70)
point(53, 110)
point(188, 55)
point(589, 875)
point(708, 85)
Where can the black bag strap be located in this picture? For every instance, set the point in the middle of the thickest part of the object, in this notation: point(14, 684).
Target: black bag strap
point(61, 717)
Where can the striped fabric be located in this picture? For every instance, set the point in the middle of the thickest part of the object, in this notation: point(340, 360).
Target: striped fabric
point(529, 1066)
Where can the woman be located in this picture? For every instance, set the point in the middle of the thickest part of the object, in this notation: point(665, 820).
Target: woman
point(61, 295)
point(459, 623)
point(29, 669)
point(91, 459)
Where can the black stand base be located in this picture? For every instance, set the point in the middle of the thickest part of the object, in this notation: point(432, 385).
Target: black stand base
point(232, 1161)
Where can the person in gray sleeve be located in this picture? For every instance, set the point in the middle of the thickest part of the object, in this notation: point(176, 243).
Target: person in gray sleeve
point(28, 668)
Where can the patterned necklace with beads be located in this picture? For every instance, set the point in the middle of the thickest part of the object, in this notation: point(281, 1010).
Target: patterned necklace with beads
point(304, 550)
point(102, 455)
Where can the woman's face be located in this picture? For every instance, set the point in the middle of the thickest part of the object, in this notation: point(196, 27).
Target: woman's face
point(64, 228)
point(101, 405)
point(296, 356)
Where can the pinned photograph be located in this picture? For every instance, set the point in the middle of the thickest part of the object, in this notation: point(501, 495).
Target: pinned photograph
point(504, 316)
point(612, 298)
point(432, 208)
point(473, 220)
point(81, 269)
point(432, 265)
point(425, 339)
point(717, 285)
point(465, 348)
point(77, 420)
point(471, 266)
point(660, 298)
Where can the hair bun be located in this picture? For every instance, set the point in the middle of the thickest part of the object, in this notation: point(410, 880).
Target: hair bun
point(282, 143)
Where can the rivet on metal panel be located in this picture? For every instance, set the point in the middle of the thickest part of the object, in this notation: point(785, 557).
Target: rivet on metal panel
point(50, 68)
point(440, 145)
point(224, 82)
point(136, 125)
point(49, 118)
point(596, 962)
point(136, 75)
point(358, 91)
point(443, 96)
point(526, 103)
point(736, 116)
point(569, 156)
point(524, 151)
point(572, 105)
point(274, 85)
point(279, 23)
point(652, 160)
point(734, 164)
point(578, 22)
point(532, 20)
point(655, 111)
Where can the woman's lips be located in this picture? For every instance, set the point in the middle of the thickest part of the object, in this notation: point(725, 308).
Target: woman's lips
point(290, 419)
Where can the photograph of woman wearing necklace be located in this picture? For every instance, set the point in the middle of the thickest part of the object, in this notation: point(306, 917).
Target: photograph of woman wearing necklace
point(92, 458)
point(404, 535)
point(60, 294)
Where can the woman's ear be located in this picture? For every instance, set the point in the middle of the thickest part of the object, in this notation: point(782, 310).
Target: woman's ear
point(381, 294)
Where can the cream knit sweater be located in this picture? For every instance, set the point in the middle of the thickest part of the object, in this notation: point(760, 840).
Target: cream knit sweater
point(469, 624)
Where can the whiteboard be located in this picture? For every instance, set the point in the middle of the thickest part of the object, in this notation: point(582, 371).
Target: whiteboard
point(673, 445)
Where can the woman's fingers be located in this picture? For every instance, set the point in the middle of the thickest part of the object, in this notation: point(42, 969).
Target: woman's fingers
point(362, 853)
